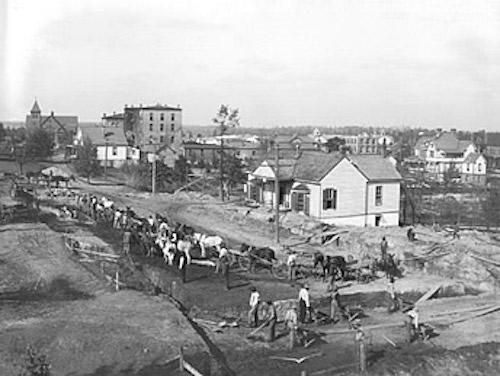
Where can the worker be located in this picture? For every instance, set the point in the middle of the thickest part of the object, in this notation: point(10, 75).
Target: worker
point(183, 266)
point(272, 317)
point(223, 254)
point(413, 324)
point(291, 263)
point(392, 303)
point(304, 304)
point(224, 265)
point(334, 305)
point(253, 313)
point(410, 234)
point(456, 231)
point(361, 350)
point(383, 248)
point(291, 322)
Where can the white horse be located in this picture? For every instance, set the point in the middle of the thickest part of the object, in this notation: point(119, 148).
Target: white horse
point(169, 249)
point(207, 242)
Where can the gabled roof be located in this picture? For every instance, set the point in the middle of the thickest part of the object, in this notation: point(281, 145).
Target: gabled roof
point(375, 167)
point(314, 166)
point(36, 107)
point(449, 143)
point(98, 133)
point(472, 158)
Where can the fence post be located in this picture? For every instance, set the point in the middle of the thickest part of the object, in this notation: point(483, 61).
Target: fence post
point(117, 286)
point(181, 359)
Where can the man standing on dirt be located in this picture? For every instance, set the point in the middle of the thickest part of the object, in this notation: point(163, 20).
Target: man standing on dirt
point(183, 266)
point(334, 305)
point(413, 324)
point(272, 317)
point(291, 263)
point(304, 304)
point(253, 313)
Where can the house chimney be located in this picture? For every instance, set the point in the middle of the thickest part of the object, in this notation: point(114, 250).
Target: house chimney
point(103, 115)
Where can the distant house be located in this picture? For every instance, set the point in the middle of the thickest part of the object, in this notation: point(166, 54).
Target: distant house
point(63, 127)
point(112, 147)
point(443, 153)
point(164, 153)
point(473, 169)
point(492, 149)
point(360, 190)
point(114, 120)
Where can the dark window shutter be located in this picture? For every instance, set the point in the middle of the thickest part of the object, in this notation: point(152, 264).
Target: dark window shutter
point(335, 199)
point(325, 198)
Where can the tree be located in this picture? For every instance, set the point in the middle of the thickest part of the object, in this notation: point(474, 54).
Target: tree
point(225, 119)
point(450, 175)
point(39, 144)
point(3, 132)
point(181, 170)
point(86, 163)
point(334, 144)
point(234, 168)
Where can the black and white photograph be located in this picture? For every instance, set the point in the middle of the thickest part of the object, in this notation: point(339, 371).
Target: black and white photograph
point(249, 187)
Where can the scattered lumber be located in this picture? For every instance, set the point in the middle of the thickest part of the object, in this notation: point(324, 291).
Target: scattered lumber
point(388, 340)
point(489, 261)
point(477, 314)
point(95, 253)
point(365, 328)
point(463, 310)
point(254, 332)
point(203, 262)
point(428, 294)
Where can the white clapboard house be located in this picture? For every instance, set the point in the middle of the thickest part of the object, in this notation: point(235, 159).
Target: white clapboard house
point(360, 190)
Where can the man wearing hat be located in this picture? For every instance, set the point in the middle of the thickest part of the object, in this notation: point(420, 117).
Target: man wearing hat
point(334, 305)
point(253, 313)
point(291, 322)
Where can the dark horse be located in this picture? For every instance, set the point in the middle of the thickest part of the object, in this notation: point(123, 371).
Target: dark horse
point(256, 256)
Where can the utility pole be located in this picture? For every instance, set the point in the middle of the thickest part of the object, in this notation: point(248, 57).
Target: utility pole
point(277, 193)
point(221, 164)
point(153, 175)
point(106, 159)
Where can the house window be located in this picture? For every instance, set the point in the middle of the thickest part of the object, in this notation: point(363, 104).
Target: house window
point(151, 127)
point(172, 117)
point(468, 167)
point(479, 167)
point(151, 116)
point(253, 152)
point(162, 138)
point(172, 127)
point(378, 195)
point(329, 199)
point(172, 139)
point(114, 150)
point(378, 219)
point(162, 116)
point(161, 127)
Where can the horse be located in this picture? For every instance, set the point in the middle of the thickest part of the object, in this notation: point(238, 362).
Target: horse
point(207, 243)
point(338, 266)
point(169, 250)
point(259, 256)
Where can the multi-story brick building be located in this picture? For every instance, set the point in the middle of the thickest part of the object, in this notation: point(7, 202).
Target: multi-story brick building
point(157, 125)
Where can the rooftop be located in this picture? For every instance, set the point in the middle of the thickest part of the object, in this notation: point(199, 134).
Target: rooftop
point(100, 135)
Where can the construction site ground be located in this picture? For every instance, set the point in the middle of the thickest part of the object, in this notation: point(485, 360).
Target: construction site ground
point(89, 329)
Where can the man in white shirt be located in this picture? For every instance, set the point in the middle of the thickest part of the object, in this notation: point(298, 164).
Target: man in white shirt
point(292, 324)
point(304, 304)
point(253, 313)
point(292, 265)
point(413, 324)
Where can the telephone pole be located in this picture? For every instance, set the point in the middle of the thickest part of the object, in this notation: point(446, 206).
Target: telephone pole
point(153, 174)
point(277, 193)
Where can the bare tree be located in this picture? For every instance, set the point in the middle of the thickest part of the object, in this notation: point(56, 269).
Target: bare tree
point(225, 119)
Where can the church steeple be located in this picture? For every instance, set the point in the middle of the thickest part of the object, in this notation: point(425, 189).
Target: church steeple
point(36, 108)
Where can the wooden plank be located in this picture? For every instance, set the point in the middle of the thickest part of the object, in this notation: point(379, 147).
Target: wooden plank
point(253, 332)
point(477, 314)
point(95, 253)
point(365, 328)
point(429, 294)
point(203, 262)
point(463, 310)
point(193, 371)
point(489, 261)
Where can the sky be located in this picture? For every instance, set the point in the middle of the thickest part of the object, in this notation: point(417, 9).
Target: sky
point(297, 62)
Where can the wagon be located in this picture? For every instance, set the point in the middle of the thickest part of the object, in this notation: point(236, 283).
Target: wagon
point(244, 260)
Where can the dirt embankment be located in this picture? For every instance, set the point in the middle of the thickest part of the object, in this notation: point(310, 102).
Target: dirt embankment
point(49, 300)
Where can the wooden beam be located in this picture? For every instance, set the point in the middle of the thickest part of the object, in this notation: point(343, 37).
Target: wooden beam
point(253, 332)
point(463, 310)
point(428, 294)
point(489, 261)
point(189, 368)
point(477, 314)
